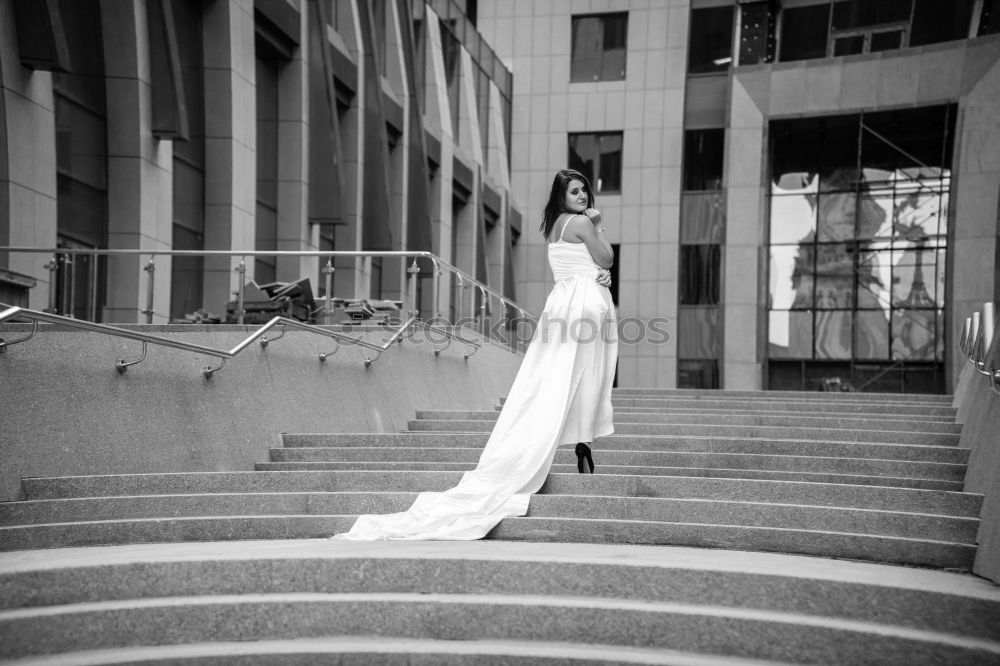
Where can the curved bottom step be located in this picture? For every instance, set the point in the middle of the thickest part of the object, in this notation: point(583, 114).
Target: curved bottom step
point(385, 651)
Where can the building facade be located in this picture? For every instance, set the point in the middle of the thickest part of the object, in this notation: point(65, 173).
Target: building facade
point(262, 125)
point(806, 189)
point(800, 193)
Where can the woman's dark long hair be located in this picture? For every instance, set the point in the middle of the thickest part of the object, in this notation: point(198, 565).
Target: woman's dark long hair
point(557, 197)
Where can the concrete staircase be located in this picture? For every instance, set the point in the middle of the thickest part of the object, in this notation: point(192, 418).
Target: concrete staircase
point(609, 568)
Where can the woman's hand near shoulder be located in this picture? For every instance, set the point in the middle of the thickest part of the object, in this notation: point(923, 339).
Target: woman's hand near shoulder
point(584, 229)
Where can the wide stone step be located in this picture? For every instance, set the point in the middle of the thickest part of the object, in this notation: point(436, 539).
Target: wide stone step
point(776, 411)
point(47, 492)
point(919, 599)
point(710, 430)
point(851, 545)
point(719, 472)
point(862, 521)
point(824, 407)
point(865, 466)
point(801, 396)
point(666, 625)
point(851, 423)
point(920, 452)
point(67, 593)
point(825, 543)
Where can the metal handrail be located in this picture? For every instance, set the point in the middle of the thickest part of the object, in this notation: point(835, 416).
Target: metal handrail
point(437, 262)
point(981, 344)
point(122, 365)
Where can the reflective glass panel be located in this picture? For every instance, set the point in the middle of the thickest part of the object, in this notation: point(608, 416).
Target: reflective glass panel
point(836, 213)
point(873, 277)
point(916, 335)
point(871, 334)
point(804, 32)
point(917, 279)
point(918, 212)
point(697, 329)
point(793, 218)
point(875, 213)
point(834, 276)
point(833, 334)
point(703, 217)
point(790, 333)
point(791, 276)
point(710, 47)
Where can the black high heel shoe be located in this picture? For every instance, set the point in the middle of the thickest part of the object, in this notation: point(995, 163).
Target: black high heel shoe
point(583, 453)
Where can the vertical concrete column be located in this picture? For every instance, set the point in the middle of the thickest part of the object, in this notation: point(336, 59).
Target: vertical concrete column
point(27, 161)
point(293, 162)
point(974, 200)
point(230, 143)
point(140, 170)
point(744, 293)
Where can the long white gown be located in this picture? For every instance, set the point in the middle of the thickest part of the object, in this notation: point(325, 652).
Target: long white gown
point(561, 395)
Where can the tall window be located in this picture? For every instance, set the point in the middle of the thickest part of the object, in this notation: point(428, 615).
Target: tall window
point(186, 277)
point(700, 266)
point(598, 156)
point(710, 46)
point(599, 47)
point(81, 162)
point(265, 268)
point(859, 213)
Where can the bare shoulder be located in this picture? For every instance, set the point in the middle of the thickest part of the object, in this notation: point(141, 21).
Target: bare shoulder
point(578, 224)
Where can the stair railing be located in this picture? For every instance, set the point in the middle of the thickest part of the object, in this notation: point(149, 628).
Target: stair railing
point(981, 344)
point(283, 323)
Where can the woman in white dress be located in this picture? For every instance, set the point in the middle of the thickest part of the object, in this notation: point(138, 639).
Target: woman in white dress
point(561, 394)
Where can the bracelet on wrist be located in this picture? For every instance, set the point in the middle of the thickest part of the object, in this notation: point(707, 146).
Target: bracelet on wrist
point(600, 229)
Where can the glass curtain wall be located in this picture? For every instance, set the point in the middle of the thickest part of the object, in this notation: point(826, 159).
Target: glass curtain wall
point(858, 246)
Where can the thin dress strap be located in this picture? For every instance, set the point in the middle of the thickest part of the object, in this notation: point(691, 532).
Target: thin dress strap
point(565, 224)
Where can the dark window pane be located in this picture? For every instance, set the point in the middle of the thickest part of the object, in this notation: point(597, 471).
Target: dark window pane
point(757, 39)
point(703, 218)
point(989, 19)
point(703, 159)
point(935, 21)
point(804, 32)
point(186, 274)
point(599, 47)
point(187, 16)
point(710, 46)
point(885, 41)
point(267, 131)
point(81, 212)
point(795, 147)
point(850, 14)
point(838, 153)
point(699, 274)
point(843, 46)
point(909, 138)
point(598, 156)
point(698, 332)
point(697, 374)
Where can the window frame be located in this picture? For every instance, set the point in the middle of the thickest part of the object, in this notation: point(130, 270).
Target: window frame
point(602, 16)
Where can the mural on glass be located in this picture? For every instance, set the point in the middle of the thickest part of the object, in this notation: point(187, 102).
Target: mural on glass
point(858, 224)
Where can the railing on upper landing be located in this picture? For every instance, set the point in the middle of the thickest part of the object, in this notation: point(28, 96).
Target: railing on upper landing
point(471, 331)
